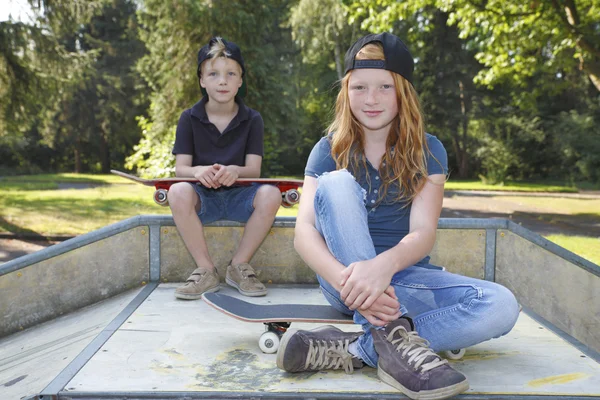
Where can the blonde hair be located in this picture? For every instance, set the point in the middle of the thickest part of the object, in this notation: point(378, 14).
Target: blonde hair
point(218, 49)
point(406, 164)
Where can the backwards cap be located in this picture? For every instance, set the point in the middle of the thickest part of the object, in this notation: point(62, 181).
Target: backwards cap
point(397, 57)
point(232, 51)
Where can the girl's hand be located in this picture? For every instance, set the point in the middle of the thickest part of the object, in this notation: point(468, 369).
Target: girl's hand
point(362, 284)
point(384, 310)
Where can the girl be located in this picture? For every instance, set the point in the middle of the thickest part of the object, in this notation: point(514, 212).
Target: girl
point(371, 201)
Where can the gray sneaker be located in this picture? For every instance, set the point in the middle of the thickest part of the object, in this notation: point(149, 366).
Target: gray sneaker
point(200, 281)
point(243, 278)
point(323, 348)
point(407, 363)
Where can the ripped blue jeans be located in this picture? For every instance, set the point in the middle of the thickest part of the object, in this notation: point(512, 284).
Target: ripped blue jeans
point(450, 311)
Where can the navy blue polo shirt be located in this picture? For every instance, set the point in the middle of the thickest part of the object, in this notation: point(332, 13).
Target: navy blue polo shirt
point(388, 221)
point(199, 137)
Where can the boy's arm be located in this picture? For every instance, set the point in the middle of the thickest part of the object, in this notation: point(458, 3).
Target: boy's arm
point(227, 174)
point(204, 173)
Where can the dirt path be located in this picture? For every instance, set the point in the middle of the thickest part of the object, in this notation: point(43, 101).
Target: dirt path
point(457, 204)
point(533, 217)
point(13, 248)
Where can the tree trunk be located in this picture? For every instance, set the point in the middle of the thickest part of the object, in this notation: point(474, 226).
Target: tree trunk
point(571, 20)
point(77, 156)
point(463, 166)
point(104, 148)
point(338, 62)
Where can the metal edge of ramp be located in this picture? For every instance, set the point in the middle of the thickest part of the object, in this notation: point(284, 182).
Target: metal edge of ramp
point(54, 388)
point(296, 395)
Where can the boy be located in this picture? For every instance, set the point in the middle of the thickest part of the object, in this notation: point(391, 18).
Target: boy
point(219, 140)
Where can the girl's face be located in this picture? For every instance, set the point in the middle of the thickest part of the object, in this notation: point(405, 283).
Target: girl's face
point(221, 77)
point(373, 99)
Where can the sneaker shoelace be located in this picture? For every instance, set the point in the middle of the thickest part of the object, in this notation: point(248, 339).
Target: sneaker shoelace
point(416, 348)
point(329, 355)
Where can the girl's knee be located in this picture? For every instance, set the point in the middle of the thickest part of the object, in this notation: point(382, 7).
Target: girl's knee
point(337, 178)
point(504, 307)
point(338, 185)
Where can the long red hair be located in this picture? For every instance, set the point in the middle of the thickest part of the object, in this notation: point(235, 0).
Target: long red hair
point(406, 165)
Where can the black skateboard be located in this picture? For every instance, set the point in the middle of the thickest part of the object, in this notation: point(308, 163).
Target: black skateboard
point(276, 317)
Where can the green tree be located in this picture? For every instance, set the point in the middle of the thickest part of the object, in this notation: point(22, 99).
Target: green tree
point(174, 31)
point(100, 112)
point(33, 63)
point(514, 39)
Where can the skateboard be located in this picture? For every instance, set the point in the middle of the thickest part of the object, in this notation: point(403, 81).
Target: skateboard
point(277, 318)
point(288, 187)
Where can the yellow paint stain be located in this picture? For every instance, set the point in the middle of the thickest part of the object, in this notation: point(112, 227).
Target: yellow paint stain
point(173, 354)
point(558, 379)
point(485, 355)
point(161, 368)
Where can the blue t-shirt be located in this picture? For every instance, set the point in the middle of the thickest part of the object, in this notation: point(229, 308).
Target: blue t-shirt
point(388, 221)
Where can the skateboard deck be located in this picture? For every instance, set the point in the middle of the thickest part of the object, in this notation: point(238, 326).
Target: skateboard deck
point(276, 317)
point(288, 187)
point(250, 312)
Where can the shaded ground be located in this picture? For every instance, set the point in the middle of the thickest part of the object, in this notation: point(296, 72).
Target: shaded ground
point(535, 218)
point(13, 248)
point(457, 204)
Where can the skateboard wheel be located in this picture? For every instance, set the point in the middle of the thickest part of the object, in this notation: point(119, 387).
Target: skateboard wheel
point(160, 197)
point(291, 197)
point(268, 342)
point(455, 354)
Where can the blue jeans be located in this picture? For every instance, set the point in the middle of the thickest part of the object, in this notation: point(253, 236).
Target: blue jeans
point(450, 311)
point(230, 203)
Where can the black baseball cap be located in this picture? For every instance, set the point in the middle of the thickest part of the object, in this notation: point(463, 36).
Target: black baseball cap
point(233, 52)
point(397, 57)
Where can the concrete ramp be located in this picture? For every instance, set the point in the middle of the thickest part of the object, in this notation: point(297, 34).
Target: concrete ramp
point(95, 318)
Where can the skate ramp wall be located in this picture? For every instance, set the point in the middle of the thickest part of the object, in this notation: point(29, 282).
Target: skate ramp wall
point(558, 285)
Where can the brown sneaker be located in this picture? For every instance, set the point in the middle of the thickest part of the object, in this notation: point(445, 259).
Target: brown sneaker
point(200, 281)
point(243, 278)
point(323, 348)
point(407, 363)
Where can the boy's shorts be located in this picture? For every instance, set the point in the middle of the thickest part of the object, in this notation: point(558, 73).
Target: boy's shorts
point(230, 203)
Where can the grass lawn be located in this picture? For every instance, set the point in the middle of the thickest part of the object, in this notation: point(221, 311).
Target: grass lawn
point(586, 247)
point(509, 186)
point(585, 207)
point(34, 204)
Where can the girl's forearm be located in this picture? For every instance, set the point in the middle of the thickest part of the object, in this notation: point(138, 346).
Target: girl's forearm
point(312, 248)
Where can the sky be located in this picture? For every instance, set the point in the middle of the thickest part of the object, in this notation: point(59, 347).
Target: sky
point(19, 9)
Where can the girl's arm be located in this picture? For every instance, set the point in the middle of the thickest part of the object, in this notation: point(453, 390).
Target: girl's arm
point(311, 246)
point(424, 215)
point(309, 243)
point(361, 286)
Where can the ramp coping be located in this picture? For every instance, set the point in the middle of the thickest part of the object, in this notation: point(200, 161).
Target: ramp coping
point(491, 224)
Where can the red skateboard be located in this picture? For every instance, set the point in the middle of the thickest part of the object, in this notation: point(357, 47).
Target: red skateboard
point(288, 187)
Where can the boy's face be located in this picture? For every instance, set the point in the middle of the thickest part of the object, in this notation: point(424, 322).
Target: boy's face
point(221, 77)
point(373, 99)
